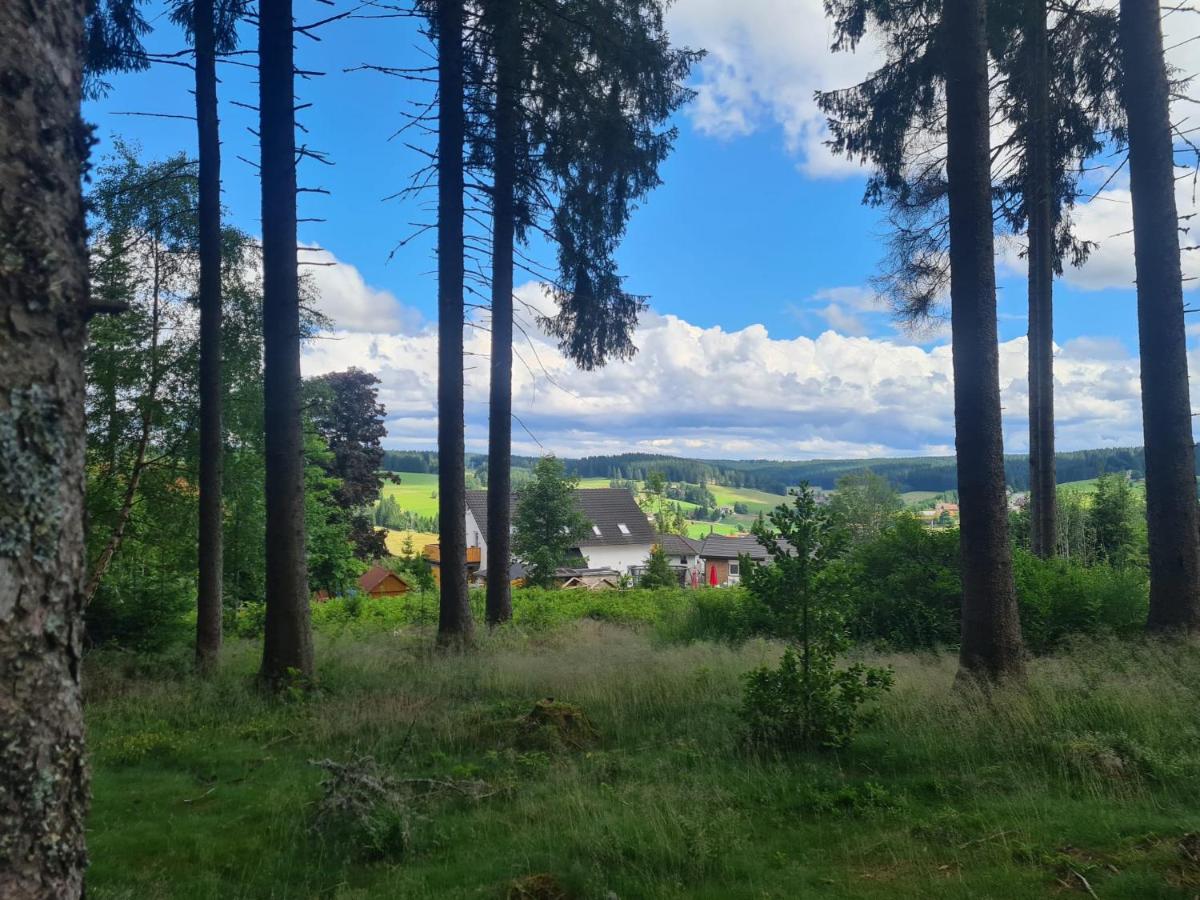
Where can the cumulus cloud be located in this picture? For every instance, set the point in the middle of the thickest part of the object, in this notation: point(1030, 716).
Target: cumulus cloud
point(344, 296)
point(765, 60)
point(716, 393)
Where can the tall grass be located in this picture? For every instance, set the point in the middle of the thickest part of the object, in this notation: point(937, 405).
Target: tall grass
point(205, 788)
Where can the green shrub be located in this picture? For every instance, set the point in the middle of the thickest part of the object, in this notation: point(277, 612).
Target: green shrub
point(902, 589)
point(147, 615)
point(818, 706)
point(1059, 598)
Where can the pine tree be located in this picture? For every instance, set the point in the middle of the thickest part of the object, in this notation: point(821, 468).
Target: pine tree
point(287, 641)
point(580, 93)
point(991, 634)
point(455, 624)
point(1171, 511)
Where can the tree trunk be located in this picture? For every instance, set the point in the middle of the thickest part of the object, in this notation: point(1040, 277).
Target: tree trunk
point(1043, 485)
point(287, 643)
point(43, 297)
point(991, 637)
point(211, 551)
point(499, 499)
point(455, 625)
point(1171, 513)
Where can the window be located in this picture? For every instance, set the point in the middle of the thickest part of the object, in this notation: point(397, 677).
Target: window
point(596, 531)
point(733, 569)
point(623, 528)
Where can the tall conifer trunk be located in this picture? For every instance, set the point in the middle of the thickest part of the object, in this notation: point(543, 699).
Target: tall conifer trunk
point(43, 296)
point(1171, 512)
point(499, 499)
point(287, 642)
point(455, 625)
point(991, 637)
point(210, 550)
point(1039, 204)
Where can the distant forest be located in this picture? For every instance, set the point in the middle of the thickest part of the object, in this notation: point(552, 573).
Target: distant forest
point(925, 473)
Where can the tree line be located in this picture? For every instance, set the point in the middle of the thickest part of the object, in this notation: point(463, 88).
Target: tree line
point(923, 473)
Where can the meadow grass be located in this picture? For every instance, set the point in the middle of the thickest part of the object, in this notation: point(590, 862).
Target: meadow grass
point(396, 540)
point(416, 492)
point(1084, 781)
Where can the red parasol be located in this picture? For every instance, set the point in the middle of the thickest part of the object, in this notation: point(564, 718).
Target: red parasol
point(712, 576)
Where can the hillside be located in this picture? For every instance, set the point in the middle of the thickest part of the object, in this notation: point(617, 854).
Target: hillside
point(926, 474)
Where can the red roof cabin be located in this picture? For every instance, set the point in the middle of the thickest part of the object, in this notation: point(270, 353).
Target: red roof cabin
point(376, 582)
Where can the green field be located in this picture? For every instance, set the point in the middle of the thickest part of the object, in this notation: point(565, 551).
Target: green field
point(916, 498)
point(207, 788)
point(416, 492)
point(701, 529)
point(757, 501)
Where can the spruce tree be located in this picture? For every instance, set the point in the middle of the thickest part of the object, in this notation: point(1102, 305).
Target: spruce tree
point(1171, 511)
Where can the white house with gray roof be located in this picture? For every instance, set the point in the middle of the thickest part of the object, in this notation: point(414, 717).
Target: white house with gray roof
point(621, 536)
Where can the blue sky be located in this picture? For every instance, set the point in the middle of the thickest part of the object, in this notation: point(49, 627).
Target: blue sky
point(755, 241)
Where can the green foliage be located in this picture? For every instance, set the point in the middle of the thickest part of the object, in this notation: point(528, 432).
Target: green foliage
point(332, 563)
point(1116, 517)
point(864, 504)
point(810, 705)
point(1060, 599)
point(140, 610)
point(547, 522)
point(807, 703)
point(902, 588)
point(658, 572)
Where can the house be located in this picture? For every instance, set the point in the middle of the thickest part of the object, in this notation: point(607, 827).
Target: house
point(433, 553)
point(721, 557)
point(620, 535)
point(376, 582)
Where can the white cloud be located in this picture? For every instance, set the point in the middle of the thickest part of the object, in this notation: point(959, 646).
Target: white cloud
point(345, 297)
point(765, 60)
point(711, 392)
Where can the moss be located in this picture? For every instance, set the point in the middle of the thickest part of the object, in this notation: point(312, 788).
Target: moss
point(32, 447)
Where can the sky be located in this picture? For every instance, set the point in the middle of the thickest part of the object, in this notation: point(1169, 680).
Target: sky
point(763, 338)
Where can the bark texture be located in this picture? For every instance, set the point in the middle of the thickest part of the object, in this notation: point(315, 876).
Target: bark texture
point(43, 297)
point(1043, 483)
point(499, 498)
point(210, 549)
point(1171, 512)
point(455, 625)
point(287, 643)
point(991, 636)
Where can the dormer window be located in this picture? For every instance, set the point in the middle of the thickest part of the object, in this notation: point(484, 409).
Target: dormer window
point(623, 528)
point(596, 531)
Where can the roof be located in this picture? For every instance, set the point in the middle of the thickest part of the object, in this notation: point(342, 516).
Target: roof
point(374, 577)
point(607, 509)
point(679, 545)
point(719, 546)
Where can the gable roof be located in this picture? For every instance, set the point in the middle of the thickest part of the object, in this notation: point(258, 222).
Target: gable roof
point(375, 576)
point(719, 546)
point(679, 545)
point(607, 509)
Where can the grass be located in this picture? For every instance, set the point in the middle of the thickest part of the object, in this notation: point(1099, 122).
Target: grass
point(916, 498)
point(395, 540)
point(205, 789)
point(756, 501)
point(416, 492)
point(701, 529)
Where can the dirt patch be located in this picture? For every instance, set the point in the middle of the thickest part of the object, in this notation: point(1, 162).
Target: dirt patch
point(556, 722)
point(542, 886)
